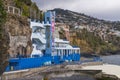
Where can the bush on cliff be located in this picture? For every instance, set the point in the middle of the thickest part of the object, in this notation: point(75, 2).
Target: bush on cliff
point(4, 39)
point(29, 9)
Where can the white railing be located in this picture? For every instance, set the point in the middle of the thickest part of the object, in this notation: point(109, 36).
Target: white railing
point(38, 36)
point(14, 10)
point(63, 51)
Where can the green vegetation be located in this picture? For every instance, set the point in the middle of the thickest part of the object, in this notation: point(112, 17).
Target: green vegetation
point(2, 12)
point(91, 42)
point(24, 5)
point(2, 17)
point(29, 9)
point(3, 39)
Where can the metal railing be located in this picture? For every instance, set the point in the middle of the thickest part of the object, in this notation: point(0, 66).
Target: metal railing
point(14, 10)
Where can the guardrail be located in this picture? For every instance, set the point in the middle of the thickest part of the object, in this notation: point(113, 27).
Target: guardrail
point(14, 10)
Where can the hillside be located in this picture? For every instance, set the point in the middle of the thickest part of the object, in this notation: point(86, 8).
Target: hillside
point(89, 42)
point(28, 8)
point(75, 18)
point(92, 35)
point(18, 27)
point(15, 31)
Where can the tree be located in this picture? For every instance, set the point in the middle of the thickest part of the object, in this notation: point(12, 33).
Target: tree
point(4, 39)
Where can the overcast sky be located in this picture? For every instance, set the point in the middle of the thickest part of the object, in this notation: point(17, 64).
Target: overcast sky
point(102, 9)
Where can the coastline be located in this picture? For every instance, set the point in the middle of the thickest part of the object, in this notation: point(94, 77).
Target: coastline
point(88, 69)
point(111, 59)
point(109, 69)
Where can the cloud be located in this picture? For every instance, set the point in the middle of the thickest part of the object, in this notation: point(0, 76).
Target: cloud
point(103, 9)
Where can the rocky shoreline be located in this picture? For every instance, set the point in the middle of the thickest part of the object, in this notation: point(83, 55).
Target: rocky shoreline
point(75, 76)
point(67, 72)
point(87, 77)
point(103, 76)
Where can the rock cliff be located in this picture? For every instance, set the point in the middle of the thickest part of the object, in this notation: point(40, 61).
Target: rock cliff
point(19, 32)
point(15, 34)
point(4, 40)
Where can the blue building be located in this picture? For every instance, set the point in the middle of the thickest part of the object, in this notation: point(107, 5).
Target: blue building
point(47, 49)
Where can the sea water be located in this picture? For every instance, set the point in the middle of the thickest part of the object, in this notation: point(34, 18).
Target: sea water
point(111, 59)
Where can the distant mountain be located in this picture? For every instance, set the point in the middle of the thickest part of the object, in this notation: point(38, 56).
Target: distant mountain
point(91, 34)
point(75, 18)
